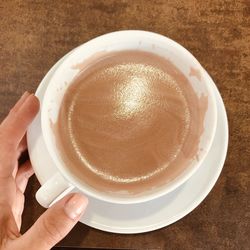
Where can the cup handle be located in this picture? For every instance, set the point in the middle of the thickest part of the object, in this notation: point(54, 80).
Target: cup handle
point(53, 190)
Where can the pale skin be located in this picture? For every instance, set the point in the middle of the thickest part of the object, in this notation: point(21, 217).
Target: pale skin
point(59, 219)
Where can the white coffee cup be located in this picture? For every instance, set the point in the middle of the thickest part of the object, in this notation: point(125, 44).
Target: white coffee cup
point(64, 180)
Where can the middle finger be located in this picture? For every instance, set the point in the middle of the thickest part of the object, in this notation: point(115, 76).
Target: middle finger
point(23, 175)
point(22, 145)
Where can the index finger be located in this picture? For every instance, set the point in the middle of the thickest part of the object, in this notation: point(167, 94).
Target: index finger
point(14, 126)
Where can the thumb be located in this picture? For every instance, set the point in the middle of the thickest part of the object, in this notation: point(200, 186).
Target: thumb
point(56, 222)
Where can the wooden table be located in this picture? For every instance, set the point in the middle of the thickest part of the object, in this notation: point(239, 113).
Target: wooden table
point(35, 34)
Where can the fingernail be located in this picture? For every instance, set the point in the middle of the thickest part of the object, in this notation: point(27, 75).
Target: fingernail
point(25, 94)
point(75, 206)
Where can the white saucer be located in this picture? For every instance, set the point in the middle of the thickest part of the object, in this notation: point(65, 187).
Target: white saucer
point(148, 216)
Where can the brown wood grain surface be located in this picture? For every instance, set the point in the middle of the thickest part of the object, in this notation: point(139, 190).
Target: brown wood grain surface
point(35, 34)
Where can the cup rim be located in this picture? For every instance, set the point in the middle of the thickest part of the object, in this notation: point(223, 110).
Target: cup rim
point(145, 197)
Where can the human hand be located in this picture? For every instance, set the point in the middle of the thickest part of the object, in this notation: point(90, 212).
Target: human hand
point(59, 219)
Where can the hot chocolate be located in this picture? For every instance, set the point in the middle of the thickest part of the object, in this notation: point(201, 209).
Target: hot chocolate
point(129, 122)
